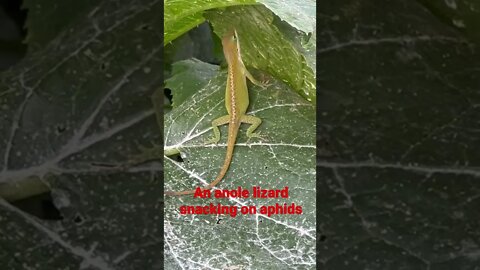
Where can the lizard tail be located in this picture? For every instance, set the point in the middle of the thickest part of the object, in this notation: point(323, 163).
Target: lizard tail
point(226, 164)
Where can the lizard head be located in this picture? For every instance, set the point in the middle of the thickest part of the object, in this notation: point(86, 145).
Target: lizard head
point(231, 45)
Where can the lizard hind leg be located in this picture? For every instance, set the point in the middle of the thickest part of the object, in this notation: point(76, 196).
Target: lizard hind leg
point(254, 122)
point(216, 131)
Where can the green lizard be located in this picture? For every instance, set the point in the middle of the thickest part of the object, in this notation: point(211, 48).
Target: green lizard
point(236, 102)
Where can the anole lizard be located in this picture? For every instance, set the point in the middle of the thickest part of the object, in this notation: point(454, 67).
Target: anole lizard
point(236, 102)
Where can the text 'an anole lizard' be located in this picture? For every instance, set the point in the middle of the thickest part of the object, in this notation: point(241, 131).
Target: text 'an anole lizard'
point(236, 101)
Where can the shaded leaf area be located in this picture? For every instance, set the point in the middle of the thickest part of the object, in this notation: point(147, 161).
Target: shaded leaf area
point(69, 114)
point(105, 220)
point(61, 15)
point(400, 142)
point(183, 15)
point(189, 76)
point(198, 43)
point(464, 15)
point(264, 46)
point(284, 158)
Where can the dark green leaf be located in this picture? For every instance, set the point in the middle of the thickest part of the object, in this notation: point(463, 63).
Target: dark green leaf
point(47, 19)
point(399, 100)
point(70, 114)
point(188, 77)
point(183, 15)
point(285, 158)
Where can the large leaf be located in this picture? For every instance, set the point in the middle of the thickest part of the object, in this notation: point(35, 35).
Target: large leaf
point(285, 158)
point(399, 99)
point(68, 114)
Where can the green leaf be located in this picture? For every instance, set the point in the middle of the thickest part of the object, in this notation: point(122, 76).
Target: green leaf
point(265, 47)
point(283, 53)
point(183, 15)
point(305, 44)
point(285, 158)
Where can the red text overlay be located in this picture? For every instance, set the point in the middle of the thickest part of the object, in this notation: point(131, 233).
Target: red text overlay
point(233, 210)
